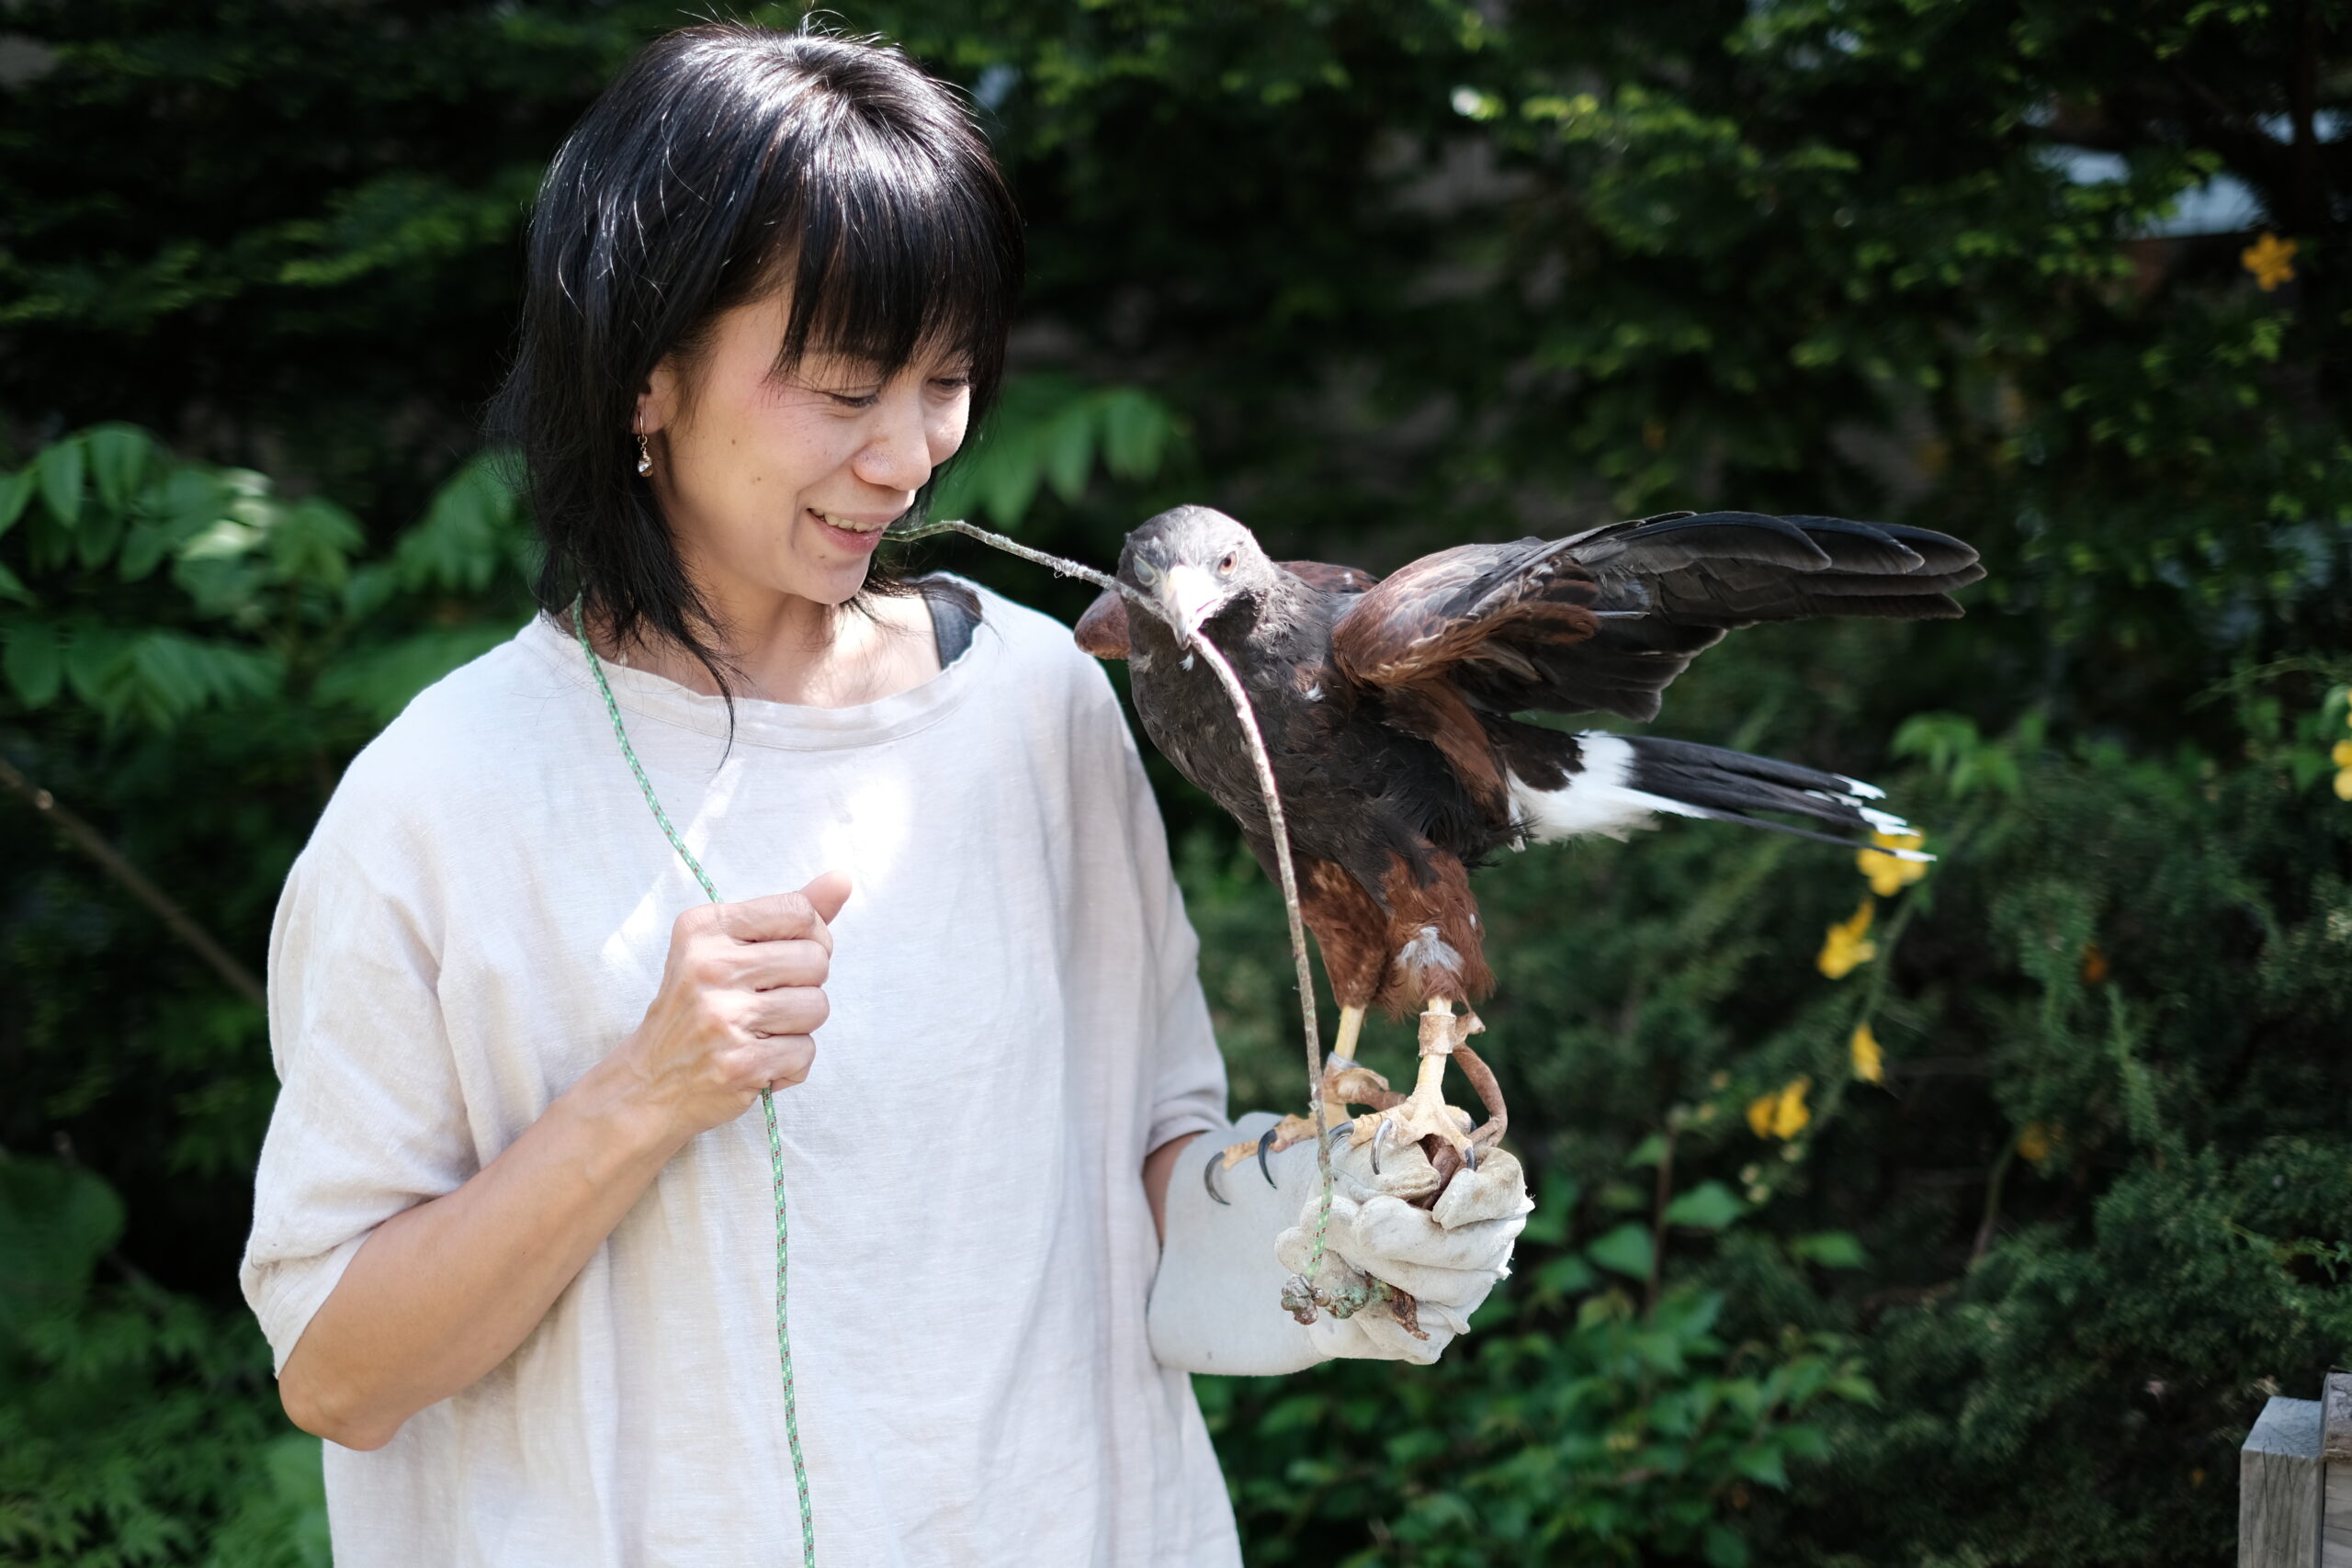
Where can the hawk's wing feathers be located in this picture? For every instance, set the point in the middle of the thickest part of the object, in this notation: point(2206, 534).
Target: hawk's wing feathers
point(1604, 621)
point(1501, 603)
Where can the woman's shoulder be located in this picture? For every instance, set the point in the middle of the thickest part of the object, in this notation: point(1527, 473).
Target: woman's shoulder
point(456, 742)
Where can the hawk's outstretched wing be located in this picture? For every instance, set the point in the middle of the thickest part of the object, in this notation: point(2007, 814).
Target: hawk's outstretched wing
point(1605, 620)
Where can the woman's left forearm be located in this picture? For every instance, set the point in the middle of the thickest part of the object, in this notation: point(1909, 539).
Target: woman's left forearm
point(1157, 1166)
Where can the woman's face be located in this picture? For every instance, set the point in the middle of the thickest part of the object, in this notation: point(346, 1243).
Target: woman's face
point(782, 487)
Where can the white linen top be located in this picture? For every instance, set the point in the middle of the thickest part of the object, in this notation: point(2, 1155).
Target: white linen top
point(482, 912)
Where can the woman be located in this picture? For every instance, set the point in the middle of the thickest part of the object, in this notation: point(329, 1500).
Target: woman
point(513, 1238)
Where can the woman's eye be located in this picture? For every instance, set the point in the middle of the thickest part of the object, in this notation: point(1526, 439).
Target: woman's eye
point(854, 399)
point(950, 385)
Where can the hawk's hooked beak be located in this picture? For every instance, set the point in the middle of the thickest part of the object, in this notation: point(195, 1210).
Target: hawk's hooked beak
point(1190, 595)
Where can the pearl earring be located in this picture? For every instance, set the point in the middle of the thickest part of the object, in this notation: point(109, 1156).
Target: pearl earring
point(644, 457)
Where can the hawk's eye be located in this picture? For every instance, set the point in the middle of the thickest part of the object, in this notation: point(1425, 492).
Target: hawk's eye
point(1146, 572)
point(1225, 568)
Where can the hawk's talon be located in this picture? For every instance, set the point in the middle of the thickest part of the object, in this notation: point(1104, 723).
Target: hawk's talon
point(1208, 1180)
point(1380, 1136)
point(1265, 1141)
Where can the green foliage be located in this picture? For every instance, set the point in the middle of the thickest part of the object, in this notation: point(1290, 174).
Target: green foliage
point(230, 596)
point(1612, 1436)
point(1376, 275)
point(1050, 429)
point(132, 1419)
point(2092, 1217)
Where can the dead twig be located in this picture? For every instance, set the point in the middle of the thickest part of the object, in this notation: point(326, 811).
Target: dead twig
point(1992, 1220)
point(90, 842)
point(1277, 829)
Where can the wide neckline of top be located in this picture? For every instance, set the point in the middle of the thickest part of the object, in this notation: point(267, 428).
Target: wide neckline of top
point(757, 721)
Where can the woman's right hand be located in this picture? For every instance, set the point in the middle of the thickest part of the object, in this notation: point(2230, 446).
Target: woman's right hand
point(444, 1291)
point(742, 994)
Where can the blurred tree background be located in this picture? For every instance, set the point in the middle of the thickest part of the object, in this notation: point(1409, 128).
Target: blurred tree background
point(1962, 1221)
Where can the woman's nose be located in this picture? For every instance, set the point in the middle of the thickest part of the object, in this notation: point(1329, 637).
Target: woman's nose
point(897, 454)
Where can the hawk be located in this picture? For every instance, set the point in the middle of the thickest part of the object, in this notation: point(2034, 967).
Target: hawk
point(1392, 709)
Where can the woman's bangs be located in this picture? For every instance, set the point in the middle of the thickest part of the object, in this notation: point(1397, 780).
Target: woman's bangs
point(899, 259)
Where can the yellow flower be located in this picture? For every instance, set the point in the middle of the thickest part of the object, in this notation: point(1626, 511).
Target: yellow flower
point(2344, 784)
point(1870, 1060)
point(1782, 1114)
point(1889, 873)
point(2271, 260)
point(2036, 1141)
point(1844, 950)
point(2342, 757)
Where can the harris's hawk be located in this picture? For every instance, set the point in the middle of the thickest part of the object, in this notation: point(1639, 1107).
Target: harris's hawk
point(1389, 709)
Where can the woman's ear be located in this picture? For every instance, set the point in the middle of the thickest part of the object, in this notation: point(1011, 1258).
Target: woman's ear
point(657, 401)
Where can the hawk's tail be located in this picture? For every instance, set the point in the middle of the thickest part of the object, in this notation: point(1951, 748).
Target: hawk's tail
point(1617, 784)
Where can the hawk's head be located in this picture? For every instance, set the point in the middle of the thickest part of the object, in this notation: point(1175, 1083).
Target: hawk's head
point(1195, 563)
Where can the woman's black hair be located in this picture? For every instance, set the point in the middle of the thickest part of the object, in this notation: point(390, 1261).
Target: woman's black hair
point(726, 161)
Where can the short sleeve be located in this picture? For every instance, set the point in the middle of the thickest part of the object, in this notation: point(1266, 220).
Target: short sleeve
point(1187, 1073)
point(370, 1118)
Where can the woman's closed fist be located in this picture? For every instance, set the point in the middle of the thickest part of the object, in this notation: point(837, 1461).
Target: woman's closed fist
point(742, 992)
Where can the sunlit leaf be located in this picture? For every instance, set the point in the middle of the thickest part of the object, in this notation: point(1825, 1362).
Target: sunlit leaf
point(1830, 1249)
point(60, 468)
point(56, 1221)
point(1136, 431)
point(95, 538)
point(1764, 1466)
point(15, 492)
point(1566, 1276)
point(119, 454)
point(466, 532)
point(1708, 1206)
point(172, 675)
point(1067, 443)
point(1624, 1251)
point(312, 541)
point(33, 660)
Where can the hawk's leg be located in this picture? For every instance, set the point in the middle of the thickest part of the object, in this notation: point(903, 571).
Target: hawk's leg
point(1344, 1083)
point(1424, 1112)
point(1443, 1158)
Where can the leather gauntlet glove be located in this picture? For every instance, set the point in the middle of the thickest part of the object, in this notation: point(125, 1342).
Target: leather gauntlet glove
point(1418, 1272)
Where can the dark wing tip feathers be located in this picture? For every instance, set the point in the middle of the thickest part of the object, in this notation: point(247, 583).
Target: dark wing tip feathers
point(1835, 555)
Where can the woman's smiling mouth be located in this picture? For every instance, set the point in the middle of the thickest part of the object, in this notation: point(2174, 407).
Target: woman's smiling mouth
point(857, 534)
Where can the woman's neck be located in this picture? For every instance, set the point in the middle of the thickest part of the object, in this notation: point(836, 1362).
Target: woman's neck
point(796, 650)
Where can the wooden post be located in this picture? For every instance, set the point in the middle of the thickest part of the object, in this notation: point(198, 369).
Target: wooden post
point(2335, 1463)
point(2279, 1485)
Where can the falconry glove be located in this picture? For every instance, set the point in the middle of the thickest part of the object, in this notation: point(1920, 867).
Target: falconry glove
point(1215, 1303)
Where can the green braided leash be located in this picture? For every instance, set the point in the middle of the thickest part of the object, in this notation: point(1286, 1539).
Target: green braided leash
point(767, 1103)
